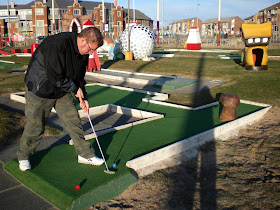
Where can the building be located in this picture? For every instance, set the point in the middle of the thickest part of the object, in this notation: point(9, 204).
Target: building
point(269, 14)
point(228, 26)
point(42, 18)
point(183, 26)
point(251, 19)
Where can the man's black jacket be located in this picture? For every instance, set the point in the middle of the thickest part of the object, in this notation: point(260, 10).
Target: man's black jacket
point(56, 67)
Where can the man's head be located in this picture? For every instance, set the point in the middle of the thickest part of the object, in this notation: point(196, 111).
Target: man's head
point(89, 40)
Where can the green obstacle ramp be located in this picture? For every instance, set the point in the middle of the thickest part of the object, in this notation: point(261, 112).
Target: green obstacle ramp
point(55, 173)
point(174, 83)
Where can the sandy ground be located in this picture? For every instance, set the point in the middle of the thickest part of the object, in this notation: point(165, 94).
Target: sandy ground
point(240, 173)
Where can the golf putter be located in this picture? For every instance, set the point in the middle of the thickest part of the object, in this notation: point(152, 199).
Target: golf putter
point(107, 171)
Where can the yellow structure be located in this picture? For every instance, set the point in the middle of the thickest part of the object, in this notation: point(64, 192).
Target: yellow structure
point(256, 38)
point(128, 55)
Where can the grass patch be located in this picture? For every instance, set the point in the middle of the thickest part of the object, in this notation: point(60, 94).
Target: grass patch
point(260, 86)
point(11, 127)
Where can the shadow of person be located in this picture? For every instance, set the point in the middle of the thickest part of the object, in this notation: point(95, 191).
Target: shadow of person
point(198, 178)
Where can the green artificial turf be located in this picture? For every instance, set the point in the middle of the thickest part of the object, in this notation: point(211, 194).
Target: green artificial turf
point(56, 171)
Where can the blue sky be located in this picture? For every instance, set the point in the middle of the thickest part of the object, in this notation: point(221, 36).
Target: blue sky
point(183, 9)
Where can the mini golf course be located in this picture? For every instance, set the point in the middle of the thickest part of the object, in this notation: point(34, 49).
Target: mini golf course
point(55, 171)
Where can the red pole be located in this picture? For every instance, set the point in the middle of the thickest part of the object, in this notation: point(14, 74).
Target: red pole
point(219, 33)
point(157, 32)
point(219, 25)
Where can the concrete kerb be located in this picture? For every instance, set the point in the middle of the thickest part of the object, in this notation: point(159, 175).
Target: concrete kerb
point(185, 149)
point(143, 115)
point(128, 79)
point(188, 148)
point(3, 61)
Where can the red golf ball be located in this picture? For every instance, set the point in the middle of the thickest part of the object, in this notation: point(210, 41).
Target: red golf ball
point(77, 187)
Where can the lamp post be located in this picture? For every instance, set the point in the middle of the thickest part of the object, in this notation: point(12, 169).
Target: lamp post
point(162, 27)
point(53, 21)
point(103, 19)
point(134, 11)
point(197, 14)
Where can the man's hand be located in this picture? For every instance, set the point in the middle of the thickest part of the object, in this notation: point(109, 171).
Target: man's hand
point(83, 103)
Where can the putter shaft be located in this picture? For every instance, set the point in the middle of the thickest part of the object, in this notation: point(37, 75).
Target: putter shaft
point(107, 169)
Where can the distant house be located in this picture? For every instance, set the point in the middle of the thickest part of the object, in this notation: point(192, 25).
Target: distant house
point(183, 26)
point(36, 19)
point(269, 14)
point(228, 26)
point(250, 19)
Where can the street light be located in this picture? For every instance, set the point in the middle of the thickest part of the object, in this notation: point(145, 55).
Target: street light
point(197, 14)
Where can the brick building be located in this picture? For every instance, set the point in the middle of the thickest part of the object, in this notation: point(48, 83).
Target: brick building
point(183, 26)
point(228, 26)
point(68, 15)
point(269, 14)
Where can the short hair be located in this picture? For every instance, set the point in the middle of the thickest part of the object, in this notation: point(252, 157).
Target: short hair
point(92, 34)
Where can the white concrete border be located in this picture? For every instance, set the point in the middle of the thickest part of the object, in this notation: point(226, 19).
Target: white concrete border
point(7, 61)
point(127, 79)
point(143, 115)
point(188, 148)
point(140, 74)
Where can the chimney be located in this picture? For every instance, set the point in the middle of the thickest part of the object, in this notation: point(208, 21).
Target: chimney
point(115, 3)
point(44, 1)
point(12, 5)
point(75, 1)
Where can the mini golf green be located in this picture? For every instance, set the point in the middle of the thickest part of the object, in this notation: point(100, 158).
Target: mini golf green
point(56, 172)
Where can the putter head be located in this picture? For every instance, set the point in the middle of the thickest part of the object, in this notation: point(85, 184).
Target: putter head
point(109, 172)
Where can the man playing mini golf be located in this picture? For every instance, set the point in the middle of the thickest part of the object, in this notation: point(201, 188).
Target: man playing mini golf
point(57, 69)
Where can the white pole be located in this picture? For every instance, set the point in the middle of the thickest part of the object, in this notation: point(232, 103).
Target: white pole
point(103, 18)
point(53, 21)
point(134, 11)
point(162, 18)
point(35, 20)
point(128, 31)
point(197, 14)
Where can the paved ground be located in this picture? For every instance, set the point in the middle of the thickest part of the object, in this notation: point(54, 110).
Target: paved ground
point(13, 194)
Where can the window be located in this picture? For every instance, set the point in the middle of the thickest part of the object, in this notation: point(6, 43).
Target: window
point(119, 14)
point(39, 11)
point(40, 23)
point(101, 13)
point(12, 12)
point(40, 28)
point(76, 12)
point(119, 27)
point(3, 13)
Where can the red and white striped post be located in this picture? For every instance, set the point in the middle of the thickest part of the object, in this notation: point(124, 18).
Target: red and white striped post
point(194, 41)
